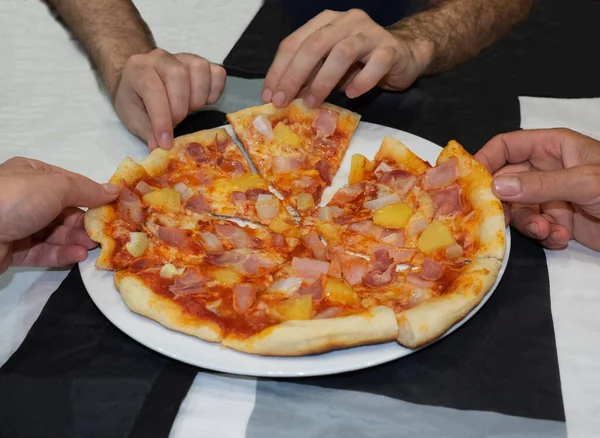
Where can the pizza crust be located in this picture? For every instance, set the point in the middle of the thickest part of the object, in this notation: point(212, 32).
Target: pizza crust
point(431, 319)
point(476, 183)
point(299, 338)
point(395, 151)
point(142, 300)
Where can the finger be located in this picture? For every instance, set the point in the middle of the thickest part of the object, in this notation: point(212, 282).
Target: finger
point(558, 237)
point(200, 79)
point(66, 236)
point(514, 168)
point(218, 77)
point(154, 96)
point(71, 217)
point(152, 144)
point(46, 254)
point(349, 76)
point(76, 190)
point(578, 185)
point(378, 65)
point(288, 48)
point(340, 60)
point(559, 213)
point(530, 222)
point(176, 78)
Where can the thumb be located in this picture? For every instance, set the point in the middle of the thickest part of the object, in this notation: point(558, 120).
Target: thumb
point(579, 185)
point(78, 191)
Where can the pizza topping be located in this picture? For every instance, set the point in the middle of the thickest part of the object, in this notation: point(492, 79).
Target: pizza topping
point(237, 236)
point(168, 271)
point(454, 251)
point(392, 237)
point(313, 242)
point(231, 166)
point(252, 194)
point(358, 167)
point(255, 265)
point(287, 286)
point(210, 241)
point(325, 147)
point(416, 226)
point(339, 291)
point(310, 269)
point(383, 168)
point(330, 312)
point(238, 197)
point(247, 181)
point(435, 237)
point(330, 212)
point(347, 194)
point(417, 296)
point(447, 200)
point(366, 228)
point(304, 182)
point(226, 276)
point(263, 126)
point(222, 143)
point(431, 270)
point(196, 152)
point(354, 268)
point(225, 258)
point(394, 215)
point(398, 255)
point(278, 225)
point(399, 180)
point(278, 240)
point(130, 206)
point(286, 136)
point(203, 178)
point(381, 260)
point(138, 242)
point(173, 236)
point(324, 169)
point(189, 283)
point(244, 295)
point(304, 202)
point(296, 308)
point(416, 280)
point(325, 122)
point(199, 204)
point(267, 206)
point(442, 175)
point(281, 165)
point(315, 290)
point(167, 199)
point(377, 278)
point(383, 201)
point(143, 187)
point(185, 192)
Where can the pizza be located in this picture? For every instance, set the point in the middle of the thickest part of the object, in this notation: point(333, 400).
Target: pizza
point(296, 149)
point(206, 247)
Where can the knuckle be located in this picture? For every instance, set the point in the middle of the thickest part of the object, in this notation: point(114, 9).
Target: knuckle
point(386, 54)
point(345, 50)
point(198, 63)
point(159, 52)
point(289, 44)
point(357, 14)
point(315, 41)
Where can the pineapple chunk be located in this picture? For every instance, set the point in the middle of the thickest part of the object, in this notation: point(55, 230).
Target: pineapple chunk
point(168, 271)
point(168, 198)
point(226, 276)
point(436, 236)
point(393, 215)
point(247, 181)
point(278, 225)
point(340, 292)
point(359, 166)
point(329, 231)
point(305, 202)
point(285, 135)
point(295, 308)
point(138, 242)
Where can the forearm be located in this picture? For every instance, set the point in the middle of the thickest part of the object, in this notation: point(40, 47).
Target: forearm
point(449, 32)
point(111, 31)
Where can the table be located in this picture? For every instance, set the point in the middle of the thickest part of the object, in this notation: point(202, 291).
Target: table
point(505, 373)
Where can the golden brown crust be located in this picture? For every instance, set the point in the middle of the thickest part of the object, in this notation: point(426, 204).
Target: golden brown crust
point(476, 183)
point(299, 338)
point(142, 300)
point(431, 319)
point(395, 151)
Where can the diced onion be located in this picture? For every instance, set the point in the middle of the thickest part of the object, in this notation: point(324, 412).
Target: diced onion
point(454, 251)
point(417, 296)
point(286, 286)
point(211, 242)
point(263, 126)
point(267, 206)
point(328, 213)
point(376, 204)
point(382, 168)
point(168, 271)
point(185, 192)
point(143, 187)
point(138, 242)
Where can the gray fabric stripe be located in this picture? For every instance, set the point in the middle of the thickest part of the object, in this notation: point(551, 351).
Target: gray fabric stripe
point(286, 410)
point(239, 93)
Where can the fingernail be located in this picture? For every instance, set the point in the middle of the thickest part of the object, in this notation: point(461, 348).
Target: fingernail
point(507, 185)
point(279, 98)
point(166, 140)
point(111, 188)
point(311, 101)
point(556, 238)
point(533, 229)
point(266, 95)
point(351, 93)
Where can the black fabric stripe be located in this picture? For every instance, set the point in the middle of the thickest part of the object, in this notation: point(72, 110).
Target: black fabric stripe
point(162, 402)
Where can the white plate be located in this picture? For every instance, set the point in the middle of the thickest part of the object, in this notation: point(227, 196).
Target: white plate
point(191, 350)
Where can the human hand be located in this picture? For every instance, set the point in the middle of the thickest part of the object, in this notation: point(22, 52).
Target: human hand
point(39, 222)
point(549, 182)
point(158, 90)
point(345, 49)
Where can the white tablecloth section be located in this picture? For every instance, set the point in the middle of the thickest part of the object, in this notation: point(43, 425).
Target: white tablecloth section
point(51, 109)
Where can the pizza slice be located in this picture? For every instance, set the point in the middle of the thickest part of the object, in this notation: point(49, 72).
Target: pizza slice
point(298, 150)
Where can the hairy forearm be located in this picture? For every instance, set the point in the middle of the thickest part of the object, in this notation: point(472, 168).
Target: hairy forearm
point(449, 32)
point(110, 31)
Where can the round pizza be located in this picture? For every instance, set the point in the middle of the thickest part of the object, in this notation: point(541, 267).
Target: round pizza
point(205, 246)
